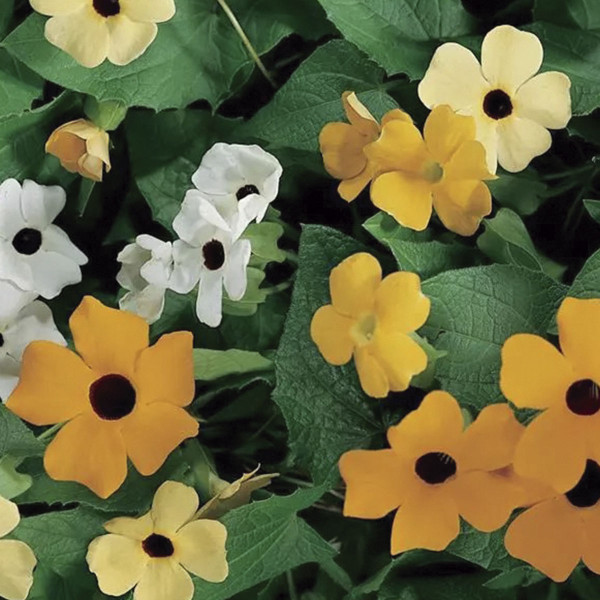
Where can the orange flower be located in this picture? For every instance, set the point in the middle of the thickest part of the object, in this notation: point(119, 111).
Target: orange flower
point(554, 535)
point(435, 472)
point(121, 399)
point(534, 374)
point(372, 319)
point(343, 144)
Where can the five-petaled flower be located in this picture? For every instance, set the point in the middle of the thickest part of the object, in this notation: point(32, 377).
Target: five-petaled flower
point(436, 471)
point(372, 318)
point(513, 107)
point(122, 398)
point(154, 553)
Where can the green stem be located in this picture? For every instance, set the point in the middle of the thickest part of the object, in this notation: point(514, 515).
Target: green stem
point(49, 432)
point(569, 172)
point(278, 288)
point(291, 586)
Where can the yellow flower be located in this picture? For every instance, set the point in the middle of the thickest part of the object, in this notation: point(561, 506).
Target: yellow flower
point(17, 561)
point(342, 145)
point(445, 170)
point(81, 147)
point(122, 398)
point(558, 532)
point(435, 472)
point(513, 107)
point(93, 30)
point(565, 387)
point(373, 319)
point(155, 552)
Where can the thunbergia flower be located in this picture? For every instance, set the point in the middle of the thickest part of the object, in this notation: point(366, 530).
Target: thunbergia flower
point(435, 472)
point(154, 553)
point(13, 299)
point(93, 30)
point(513, 107)
point(17, 560)
point(36, 255)
point(32, 322)
point(240, 181)
point(371, 319)
point(212, 258)
point(119, 399)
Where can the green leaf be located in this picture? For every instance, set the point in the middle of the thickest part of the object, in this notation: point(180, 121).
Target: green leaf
point(587, 282)
point(324, 406)
point(213, 364)
point(473, 312)
point(402, 35)
point(12, 483)
point(16, 438)
point(418, 251)
point(196, 55)
point(520, 576)
point(522, 192)
point(264, 237)
point(19, 86)
point(254, 296)
point(584, 14)
point(313, 97)
point(593, 208)
point(6, 13)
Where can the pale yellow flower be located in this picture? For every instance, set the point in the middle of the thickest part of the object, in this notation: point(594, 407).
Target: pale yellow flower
point(154, 553)
point(17, 561)
point(81, 147)
point(93, 30)
point(512, 106)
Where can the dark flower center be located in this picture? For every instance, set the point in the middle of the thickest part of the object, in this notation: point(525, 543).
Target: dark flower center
point(587, 491)
point(107, 8)
point(214, 255)
point(583, 397)
point(435, 467)
point(497, 104)
point(1, 340)
point(158, 546)
point(27, 241)
point(112, 397)
point(246, 191)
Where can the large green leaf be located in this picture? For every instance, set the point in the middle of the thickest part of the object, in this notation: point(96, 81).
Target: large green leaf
point(16, 438)
point(584, 14)
point(522, 192)
point(213, 364)
point(587, 282)
point(19, 86)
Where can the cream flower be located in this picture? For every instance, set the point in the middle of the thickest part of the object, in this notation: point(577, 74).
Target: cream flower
point(93, 30)
point(17, 561)
point(513, 107)
point(155, 552)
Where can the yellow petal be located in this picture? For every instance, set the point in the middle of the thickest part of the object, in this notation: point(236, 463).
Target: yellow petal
point(408, 199)
point(359, 116)
point(445, 132)
point(200, 548)
point(173, 506)
point(157, 11)
point(353, 284)
point(509, 57)
point(137, 529)
point(90, 167)
point(9, 516)
point(53, 8)
point(371, 374)
point(519, 142)
point(395, 114)
point(545, 99)
point(330, 331)
point(128, 39)
point(349, 189)
point(342, 149)
point(468, 162)
point(461, 205)
point(17, 562)
point(164, 578)
point(118, 563)
point(591, 535)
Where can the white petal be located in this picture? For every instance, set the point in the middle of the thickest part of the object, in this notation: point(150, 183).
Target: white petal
point(252, 208)
point(509, 57)
point(519, 142)
point(56, 240)
point(41, 204)
point(56, 7)
point(151, 243)
point(164, 579)
point(147, 303)
point(187, 267)
point(209, 305)
point(144, 11)
point(9, 376)
point(545, 99)
point(17, 562)
point(13, 299)
point(132, 257)
point(236, 278)
point(219, 172)
point(9, 516)
point(15, 268)
point(128, 39)
point(52, 272)
point(189, 224)
point(11, 217)
point(487, 134)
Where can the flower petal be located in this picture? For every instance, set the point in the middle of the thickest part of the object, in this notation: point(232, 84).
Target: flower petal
point(235, 278)
point(52, 272)
point(128, 39)
point(12, 219)
point(520, 141)
point(200, 548)
point(157, 11)
point(209, 304)
point(148, 303)
point(89, 451)
point(545, 99)
point(118, 563)
point(54, 385)
point(373, 378)
point(349, 189)
point(445, 132)
point(17, 562)
point(342, 149)
point(56, 7)
point(467, 162)
point(9, 516)
point(41, 204)
point(56, 240)
point(549, 537)
point(461, 205)
point(591, 535)
point(135, 528)
point(174, 505)
point(377, 482)
point(330, 331)
point(509, 57)
point(164, 579)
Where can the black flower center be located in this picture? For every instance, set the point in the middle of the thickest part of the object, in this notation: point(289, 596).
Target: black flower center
point(435, 467)
point(158, 546)
point(246, 191)
point(587, 491)
point(27, 241)
point(107, 8)
point(214, 255)
point(497, 105)
point(583, 397)
point(112, 397)
point(1, 340)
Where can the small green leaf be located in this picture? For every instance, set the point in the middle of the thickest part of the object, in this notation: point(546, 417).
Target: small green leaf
point(264, 237)
point(593, 208)
point(583, 14)
point(213, 364)
point(587, 282)
point(12, 483)
point(254, 296)
point(426, 379)
point(522, 192)
point(16, 438)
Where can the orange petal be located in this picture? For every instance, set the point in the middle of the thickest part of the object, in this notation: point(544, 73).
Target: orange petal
point(578, 331)
point(165, 372)
point(358, 114)
point(553, 450)
point(330, 331)
point(90, 451)
point(591, 537)
point(353, 284)
point(109, 340)
point(372, 375)
point(376, 482)
point(153, 431)
point(534, 373)
point(549, 537)
point(445, 132)
point(461, 205)
point(342, 149)
point(53, 387)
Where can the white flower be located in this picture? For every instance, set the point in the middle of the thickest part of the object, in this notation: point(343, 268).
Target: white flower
point(240, 181)
point(36, 255)
point(211, 257)
point(13, 299)
point(31, 323)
